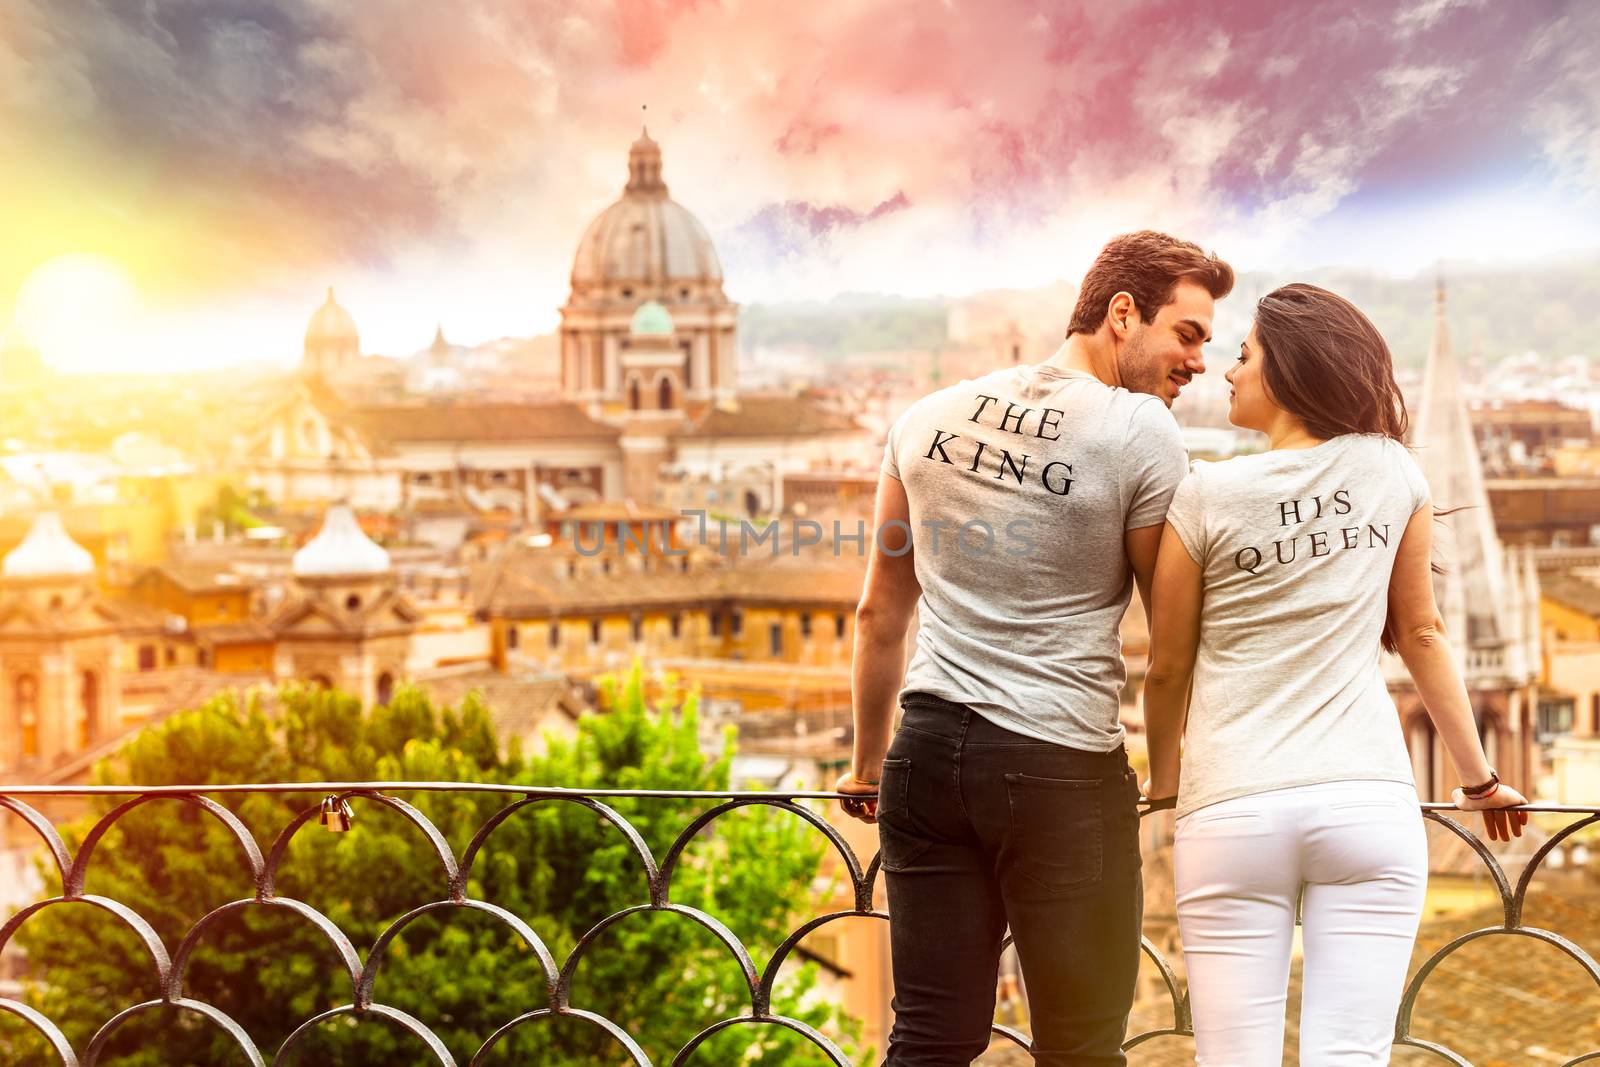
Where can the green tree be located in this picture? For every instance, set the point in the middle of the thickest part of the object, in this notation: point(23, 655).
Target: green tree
point(555, 865)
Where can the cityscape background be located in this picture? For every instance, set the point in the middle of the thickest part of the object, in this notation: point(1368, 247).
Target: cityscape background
point(367, 353)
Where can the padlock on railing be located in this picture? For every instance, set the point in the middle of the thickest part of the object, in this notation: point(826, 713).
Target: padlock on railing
point(336, 814)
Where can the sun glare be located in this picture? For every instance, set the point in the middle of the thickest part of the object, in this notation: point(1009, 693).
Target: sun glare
point(79, 311)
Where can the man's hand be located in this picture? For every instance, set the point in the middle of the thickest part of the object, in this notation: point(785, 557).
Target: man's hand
point(865, 808)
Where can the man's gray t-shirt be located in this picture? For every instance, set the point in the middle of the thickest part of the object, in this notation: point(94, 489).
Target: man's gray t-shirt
point(1021, 485)
point(1296, 548)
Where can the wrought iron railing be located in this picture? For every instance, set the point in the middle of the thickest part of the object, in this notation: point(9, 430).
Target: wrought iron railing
point(171, 965)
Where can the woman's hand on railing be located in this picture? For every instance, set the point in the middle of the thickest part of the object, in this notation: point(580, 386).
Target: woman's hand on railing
point(862, 800)
point(1501, 824)
point(1157, 798)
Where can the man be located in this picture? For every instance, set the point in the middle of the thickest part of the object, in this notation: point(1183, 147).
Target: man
point(1010, 512)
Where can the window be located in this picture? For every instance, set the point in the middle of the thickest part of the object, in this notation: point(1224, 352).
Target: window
point(25, 694)
point(555, 634)
point(202, 658)
point(171, 655)
point(716, 623)
point(594, 631)
point(424, 478)
point(353, 602)
point(89, 704)
point(627, 293)
point(633, 394)
point(664, 394)
point(736, 623)
point(512, 637)
point(385, 687)
point(677, 625)
point(1594, 714)
point(147, 657)
point(636, 629)
point(322, 681)
point(838, 627)
point(775, 638)
point(1554, 718)
point(805, 624)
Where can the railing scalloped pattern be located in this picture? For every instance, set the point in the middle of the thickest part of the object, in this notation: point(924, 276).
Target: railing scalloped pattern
point(657, 877)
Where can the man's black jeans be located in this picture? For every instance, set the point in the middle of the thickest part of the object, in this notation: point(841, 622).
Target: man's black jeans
point(980, 828)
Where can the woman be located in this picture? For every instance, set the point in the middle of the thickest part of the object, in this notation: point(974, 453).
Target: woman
point(1279, 577)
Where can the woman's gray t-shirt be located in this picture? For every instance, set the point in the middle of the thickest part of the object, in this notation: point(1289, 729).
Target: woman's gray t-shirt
point(1022, 484)
point(1296, 548)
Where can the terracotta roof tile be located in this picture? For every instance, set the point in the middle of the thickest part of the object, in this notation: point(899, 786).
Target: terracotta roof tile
point(771, 416)
point(517, 703)
point(201, 577)
point(478, 422)
point(1573, 591)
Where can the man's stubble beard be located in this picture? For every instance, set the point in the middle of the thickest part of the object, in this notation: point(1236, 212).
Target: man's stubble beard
point(1139, 370)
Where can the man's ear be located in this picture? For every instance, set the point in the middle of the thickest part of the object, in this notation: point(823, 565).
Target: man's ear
point(1122, 315)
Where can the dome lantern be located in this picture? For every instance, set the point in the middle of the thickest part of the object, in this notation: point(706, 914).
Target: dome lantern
point(644, 166)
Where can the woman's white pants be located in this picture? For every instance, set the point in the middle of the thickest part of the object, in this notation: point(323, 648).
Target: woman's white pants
point(1359, 852)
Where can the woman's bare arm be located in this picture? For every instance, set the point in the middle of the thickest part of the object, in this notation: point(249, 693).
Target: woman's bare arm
point(1175, 599)
point(1421, 640)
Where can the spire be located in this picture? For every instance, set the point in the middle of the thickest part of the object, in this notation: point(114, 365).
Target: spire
point(1474, 579)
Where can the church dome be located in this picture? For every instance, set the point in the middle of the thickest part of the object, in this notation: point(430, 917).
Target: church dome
point(646, 237)
point(331, 323)
point(341, 547)
point(48, 552)
point(651, 320)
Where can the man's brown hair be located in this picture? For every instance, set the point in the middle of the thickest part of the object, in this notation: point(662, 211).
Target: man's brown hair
point(1147, 266)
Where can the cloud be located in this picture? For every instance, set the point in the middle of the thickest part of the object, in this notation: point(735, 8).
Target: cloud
point(451, 149)
point(1564, 111)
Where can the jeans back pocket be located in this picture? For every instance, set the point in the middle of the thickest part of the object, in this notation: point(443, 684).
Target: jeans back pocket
point(1057, 831)
point(899, 845)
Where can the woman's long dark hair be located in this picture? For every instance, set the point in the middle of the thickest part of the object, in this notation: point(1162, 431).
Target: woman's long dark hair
point(1327, 365)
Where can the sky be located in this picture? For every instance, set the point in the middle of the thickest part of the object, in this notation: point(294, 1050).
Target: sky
point(210, 167)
